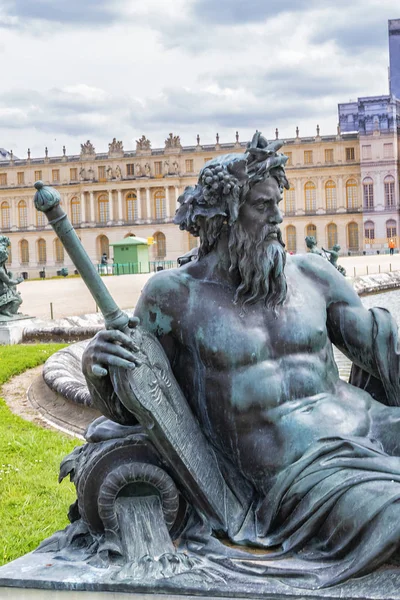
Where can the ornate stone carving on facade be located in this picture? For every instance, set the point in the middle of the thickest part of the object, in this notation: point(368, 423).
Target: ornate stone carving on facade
point(82, 174)
point(138, 170)
point(166, 167)
point(147, 169)
point(91, 175)
point(115, 148)
point(118, 172)
point(176, 167)
point(87, 149)
point(143, 145)
point(173, 142)
point(109, 172)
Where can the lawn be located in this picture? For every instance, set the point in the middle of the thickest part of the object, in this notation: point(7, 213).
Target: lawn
point(32, 503)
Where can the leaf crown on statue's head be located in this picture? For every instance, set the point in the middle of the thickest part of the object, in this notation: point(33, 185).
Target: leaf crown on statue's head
point(224, 182)
point(46, 197)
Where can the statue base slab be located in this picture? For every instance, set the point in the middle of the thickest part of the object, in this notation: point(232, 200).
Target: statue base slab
point(12, 329)
point(42, 576)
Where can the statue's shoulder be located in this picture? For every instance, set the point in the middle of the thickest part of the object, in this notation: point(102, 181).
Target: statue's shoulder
point(164, 282)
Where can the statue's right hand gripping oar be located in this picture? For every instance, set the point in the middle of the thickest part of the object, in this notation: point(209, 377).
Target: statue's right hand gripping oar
point(47, 200)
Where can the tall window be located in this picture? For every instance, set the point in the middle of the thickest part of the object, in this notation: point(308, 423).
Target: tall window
point(40, 219)
point(104, 209)
point(391, 228)
point(329, 155)
point(387, 150)
point(352, 236)
point(9, 255)
point(331, 231)
point(130, 170)
point(368, 193)
point(58, 251)
point(369, 231)
point(290, 201)
point(160, 246)
point(102, 174)
point(73, 174)
point(159, 204)
point(5, 215)
point(3, 178)
point(21, 178)
point(330, 195)
point(22, 214)
point(38, 175)
point(75, 211)
point(291, 245)
point(310, 195)
point(189, 165)
point(367, 152)
point(350, 154)
point(104, 246)
point(24, 252)
point(351, 193)
point(55, 175)
point(158, 168)
point(389, 191)
point(41, 252)
point(289, 159)
point(131, 207)
point(308, 157)
point(311, 230)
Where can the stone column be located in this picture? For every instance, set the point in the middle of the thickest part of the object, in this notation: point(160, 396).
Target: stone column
point(110, 205)
point(148, 204)
point(120, 211)
point(83, 208)
point(167, 206)
point(340, 195)
point(177, 194)
point(92, 208)
point(320, 200)
point(14, 212)
point(139, 204)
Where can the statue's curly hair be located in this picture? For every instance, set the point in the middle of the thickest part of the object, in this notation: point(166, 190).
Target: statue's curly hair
point(222, 187)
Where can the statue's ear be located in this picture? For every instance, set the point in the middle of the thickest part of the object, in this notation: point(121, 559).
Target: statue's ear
point(239, 170)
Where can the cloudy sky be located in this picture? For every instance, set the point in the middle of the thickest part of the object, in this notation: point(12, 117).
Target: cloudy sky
point(73, 70)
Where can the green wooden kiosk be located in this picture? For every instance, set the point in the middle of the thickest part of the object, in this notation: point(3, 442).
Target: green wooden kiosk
point(131, 255)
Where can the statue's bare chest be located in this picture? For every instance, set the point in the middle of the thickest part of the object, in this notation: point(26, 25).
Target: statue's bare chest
point(225, 337)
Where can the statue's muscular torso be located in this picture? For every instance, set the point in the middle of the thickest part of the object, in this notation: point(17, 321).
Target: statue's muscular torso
point(252, 379)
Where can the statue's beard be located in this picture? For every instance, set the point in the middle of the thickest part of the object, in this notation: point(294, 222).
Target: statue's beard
point(260, 263)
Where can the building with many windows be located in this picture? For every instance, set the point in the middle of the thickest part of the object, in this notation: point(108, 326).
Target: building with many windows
point(344, 188)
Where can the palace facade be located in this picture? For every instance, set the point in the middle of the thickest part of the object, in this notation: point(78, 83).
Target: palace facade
point(343, 189)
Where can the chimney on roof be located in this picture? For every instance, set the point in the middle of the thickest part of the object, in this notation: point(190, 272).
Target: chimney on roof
point(394, 57)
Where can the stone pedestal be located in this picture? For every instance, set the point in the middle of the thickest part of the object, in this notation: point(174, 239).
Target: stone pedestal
point(11, 331)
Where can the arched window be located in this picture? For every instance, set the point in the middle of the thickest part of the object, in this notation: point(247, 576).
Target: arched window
point(368, 193)
point(75, 211)
point(388, 184)
point(369, 231)
point(129, 235)
point(310, 196)
point(352, 237)
point(311, 230)
point(40, 219)
point(332, 235)
point(104, 209)
point(291, 244)
point(103, 246)
point(41, 252)
point(160, 246)
point(192, 241)
point(330, 195)
point(290, 201)
point(131, 207)
point(159, 204)
point(24, 252)
point(58, 251)
point(5, 215)
point(22, 214)
point(9, 255)
point(351, 193)
point(391, 228)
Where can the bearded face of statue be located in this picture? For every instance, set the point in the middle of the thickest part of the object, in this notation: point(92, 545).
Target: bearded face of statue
point(256, 247)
